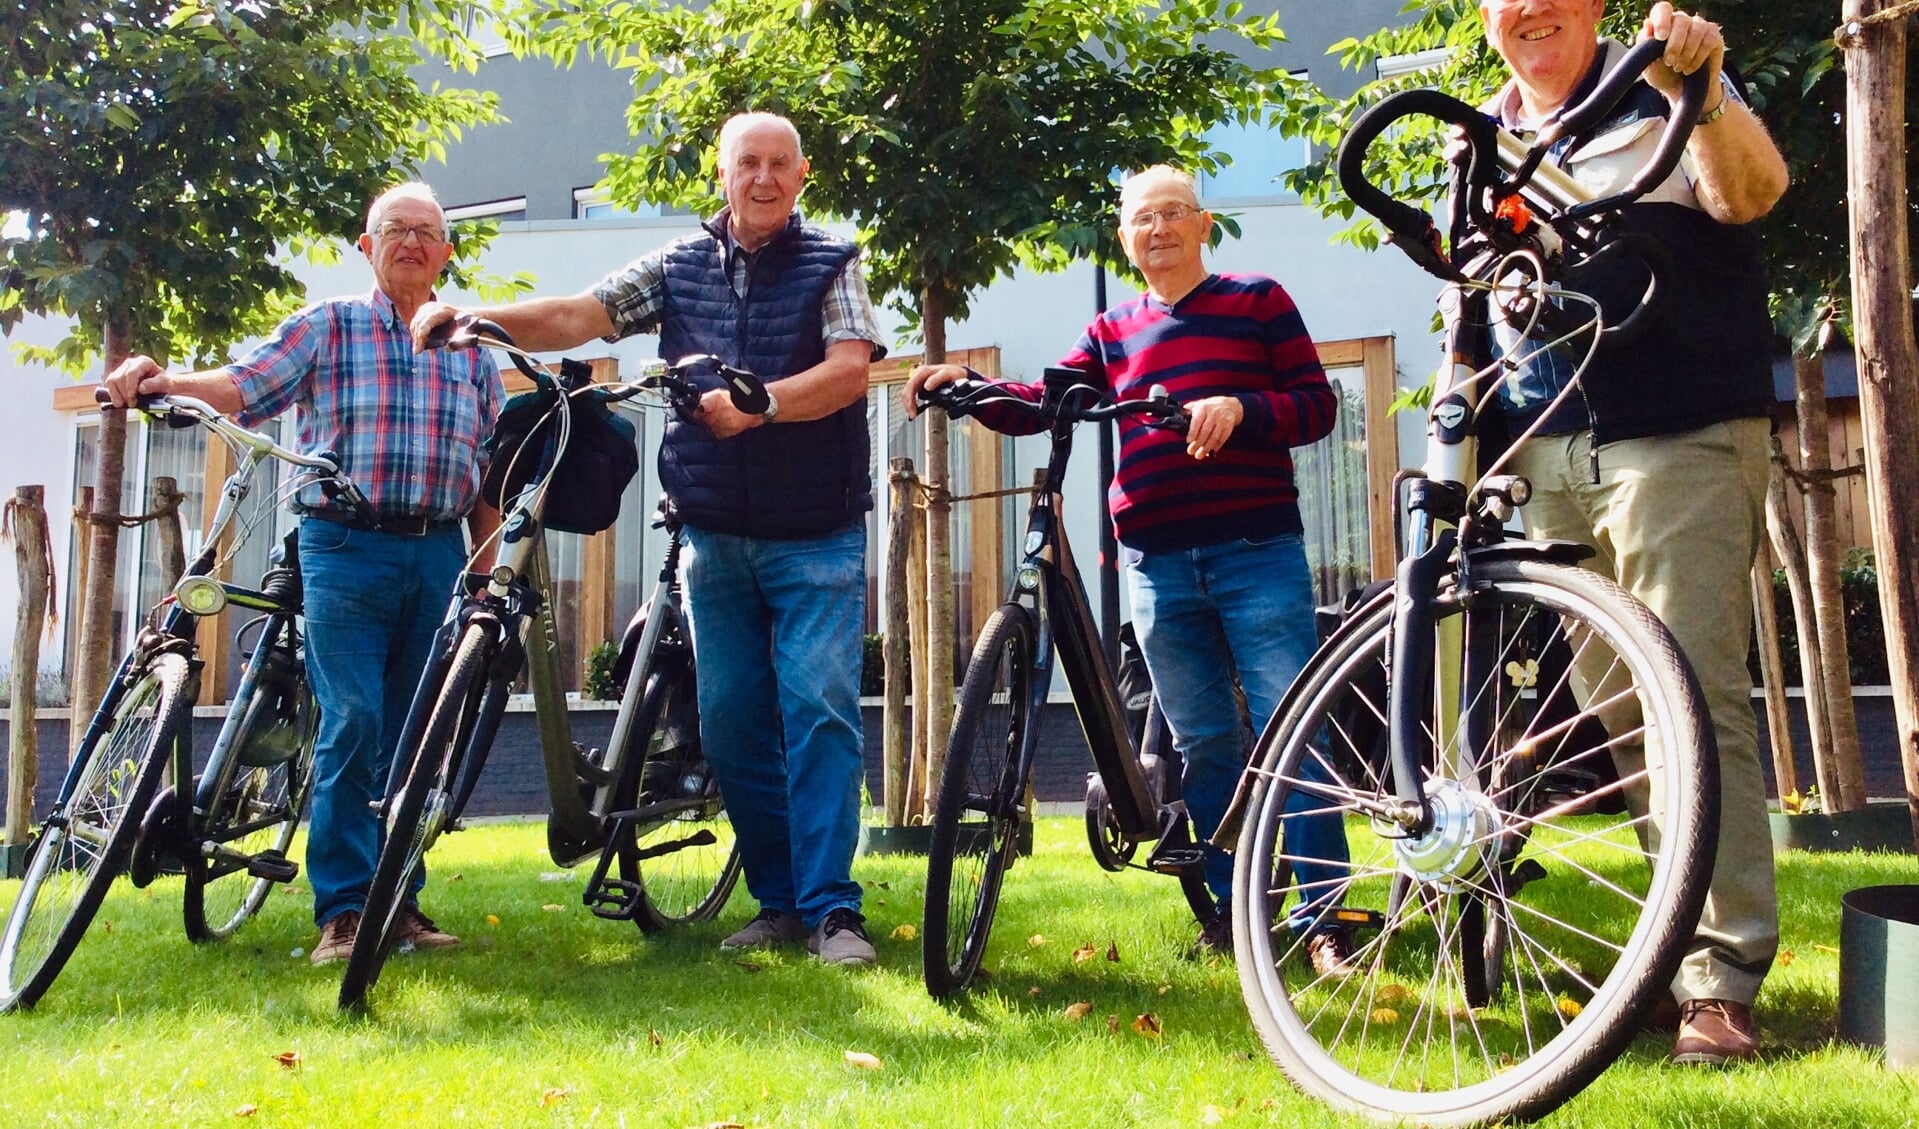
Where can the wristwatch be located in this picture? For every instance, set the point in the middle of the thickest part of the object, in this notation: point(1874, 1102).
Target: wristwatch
point(772, 411)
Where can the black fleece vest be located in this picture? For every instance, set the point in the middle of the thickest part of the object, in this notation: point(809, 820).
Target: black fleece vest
point(790, 480)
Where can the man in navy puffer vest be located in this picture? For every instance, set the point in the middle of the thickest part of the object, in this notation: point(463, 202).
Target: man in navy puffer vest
point(774, 508)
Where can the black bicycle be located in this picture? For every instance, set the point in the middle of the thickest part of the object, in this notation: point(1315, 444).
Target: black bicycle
point(1133, 797)
point(1517, 746)
point(647, 808)
point(131, 801)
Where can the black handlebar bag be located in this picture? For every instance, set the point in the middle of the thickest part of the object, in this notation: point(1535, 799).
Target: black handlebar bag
point(583, 492)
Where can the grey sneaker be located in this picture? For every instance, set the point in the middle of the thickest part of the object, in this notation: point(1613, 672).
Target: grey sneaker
point(771, 928)
point(841, 939)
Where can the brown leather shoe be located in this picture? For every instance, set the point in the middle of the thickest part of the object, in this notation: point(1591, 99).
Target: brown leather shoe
point(336, 937)
point(1331, 951)
point(415, 930)
point(1715, 1032)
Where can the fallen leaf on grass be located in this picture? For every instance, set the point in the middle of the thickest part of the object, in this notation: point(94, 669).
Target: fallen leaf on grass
point(653, 1037)
point(1391, 994)
point(725, 1125)
point(553, 1096)
point(1384, 1016)
point(905, 933)
point(1569, 1007)
point(1036, 940)
point(1112, 1024)
point(1033, 991)
point(1112, 951)
point(1078, 1011)
point(492, 919)
point(1084, 953)
point(247, 1110)
point(1165, 988)
point(455, 877)
point(1211, 1115)
point(552, 907)
point(862, 1060)
point(748, 965)
point(1148, 1025)
point(288, 1060)
point(1785, 957)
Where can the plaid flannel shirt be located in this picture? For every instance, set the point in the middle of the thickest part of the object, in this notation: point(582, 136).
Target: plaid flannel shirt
point(407, 427)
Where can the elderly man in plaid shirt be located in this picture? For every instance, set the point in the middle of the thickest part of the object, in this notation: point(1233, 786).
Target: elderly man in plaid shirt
point(774, 509)
point(407, 429)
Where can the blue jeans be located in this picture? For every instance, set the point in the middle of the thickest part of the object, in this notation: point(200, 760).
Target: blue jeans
point(777, 641)
point(1202, 615)
point(373, 603)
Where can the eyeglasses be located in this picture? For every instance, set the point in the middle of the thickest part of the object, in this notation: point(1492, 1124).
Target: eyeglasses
point(1143, 219)
point(397, 233)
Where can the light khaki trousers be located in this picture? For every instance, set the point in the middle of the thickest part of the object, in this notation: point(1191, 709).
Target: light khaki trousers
point(1676, 520)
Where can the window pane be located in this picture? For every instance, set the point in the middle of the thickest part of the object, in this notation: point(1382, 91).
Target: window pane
point(1259, 156)
point(1332, 494)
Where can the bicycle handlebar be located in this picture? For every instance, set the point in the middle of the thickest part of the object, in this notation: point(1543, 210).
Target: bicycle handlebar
point(186, 411)
point(961, 397)
point(1496, 169)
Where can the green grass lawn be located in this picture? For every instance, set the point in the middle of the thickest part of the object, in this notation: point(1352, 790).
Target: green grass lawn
point(550, 1016)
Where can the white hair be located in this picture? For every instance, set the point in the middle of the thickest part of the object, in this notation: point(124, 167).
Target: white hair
point(738, 124)
point(407, 190)
point(1173, 173)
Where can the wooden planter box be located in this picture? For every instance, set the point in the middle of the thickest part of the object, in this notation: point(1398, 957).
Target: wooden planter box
point(1882, 825)
point(1879, 971)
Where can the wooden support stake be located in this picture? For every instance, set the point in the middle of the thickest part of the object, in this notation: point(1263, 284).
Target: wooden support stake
point(26, 519)
point(895, 744)
point(1772, 675)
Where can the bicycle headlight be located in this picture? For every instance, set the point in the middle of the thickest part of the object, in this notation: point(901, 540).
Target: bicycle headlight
point(200, 595)
point(1028, 578)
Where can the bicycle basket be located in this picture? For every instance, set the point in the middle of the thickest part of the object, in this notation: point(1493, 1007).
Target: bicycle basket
point(583, 492)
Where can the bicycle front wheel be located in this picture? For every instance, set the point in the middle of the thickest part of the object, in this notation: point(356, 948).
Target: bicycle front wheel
point(83, 844)
point(981, 799)
point(255, 810)
point(1512, 951)
point(679, 852)
point(416, 816)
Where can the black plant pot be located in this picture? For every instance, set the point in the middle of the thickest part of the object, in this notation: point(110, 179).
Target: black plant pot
point(1882, 825)
point(1879, 971)
point(915, 840)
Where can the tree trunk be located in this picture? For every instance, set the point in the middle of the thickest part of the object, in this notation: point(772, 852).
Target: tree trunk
point(1792, 558)
point(1772, 676)
point(1832, 662)
point(917, 788)
point(93, 657)
point(1888, 357)
point(895, 745)
point(27, 522)
point(937, 707)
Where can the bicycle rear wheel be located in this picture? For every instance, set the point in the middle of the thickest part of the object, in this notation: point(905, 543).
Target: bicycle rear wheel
point(981, 798)
point(1522, 941)
point(681, 855)
point(417, 815)
point(83, 844)
point(256, 810)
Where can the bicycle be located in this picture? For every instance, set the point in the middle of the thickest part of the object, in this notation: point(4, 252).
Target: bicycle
point(1132, 798)
point(1526, 909)
point(647, 807)
point(239, 814)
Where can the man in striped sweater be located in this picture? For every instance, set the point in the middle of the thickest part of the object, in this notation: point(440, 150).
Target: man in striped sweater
point(1209, 521)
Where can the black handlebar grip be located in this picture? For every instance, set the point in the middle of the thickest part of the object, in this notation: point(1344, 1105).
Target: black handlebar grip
point(1672, 144)
point(747, 391)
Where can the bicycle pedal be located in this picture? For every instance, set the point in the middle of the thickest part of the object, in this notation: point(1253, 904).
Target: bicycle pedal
point(613, 899)
point(1355, 918)
point(273, 866)
point(1176, 860)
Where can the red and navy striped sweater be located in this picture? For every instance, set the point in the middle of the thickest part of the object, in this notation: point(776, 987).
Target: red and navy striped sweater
point(1237, 335)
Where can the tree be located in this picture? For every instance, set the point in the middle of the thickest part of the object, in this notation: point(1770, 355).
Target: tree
point(1785, 52)
point(164, 153)
point(962, 139)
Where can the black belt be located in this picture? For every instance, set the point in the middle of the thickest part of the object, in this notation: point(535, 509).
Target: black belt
point(398, 526)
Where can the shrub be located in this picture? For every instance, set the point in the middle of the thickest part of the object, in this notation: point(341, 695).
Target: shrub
point(597, 683)
point(1865, 631)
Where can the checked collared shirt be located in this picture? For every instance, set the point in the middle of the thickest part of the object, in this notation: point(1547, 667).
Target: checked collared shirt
point(407, 426)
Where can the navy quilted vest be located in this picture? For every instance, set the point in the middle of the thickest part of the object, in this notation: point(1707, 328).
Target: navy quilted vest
point(790, 480)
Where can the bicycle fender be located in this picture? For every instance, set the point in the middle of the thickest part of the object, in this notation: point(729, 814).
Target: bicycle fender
point(1520, 549)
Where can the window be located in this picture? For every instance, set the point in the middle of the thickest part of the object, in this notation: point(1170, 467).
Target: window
point(1392, 66)
point(594, 204)
point(510, 208)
